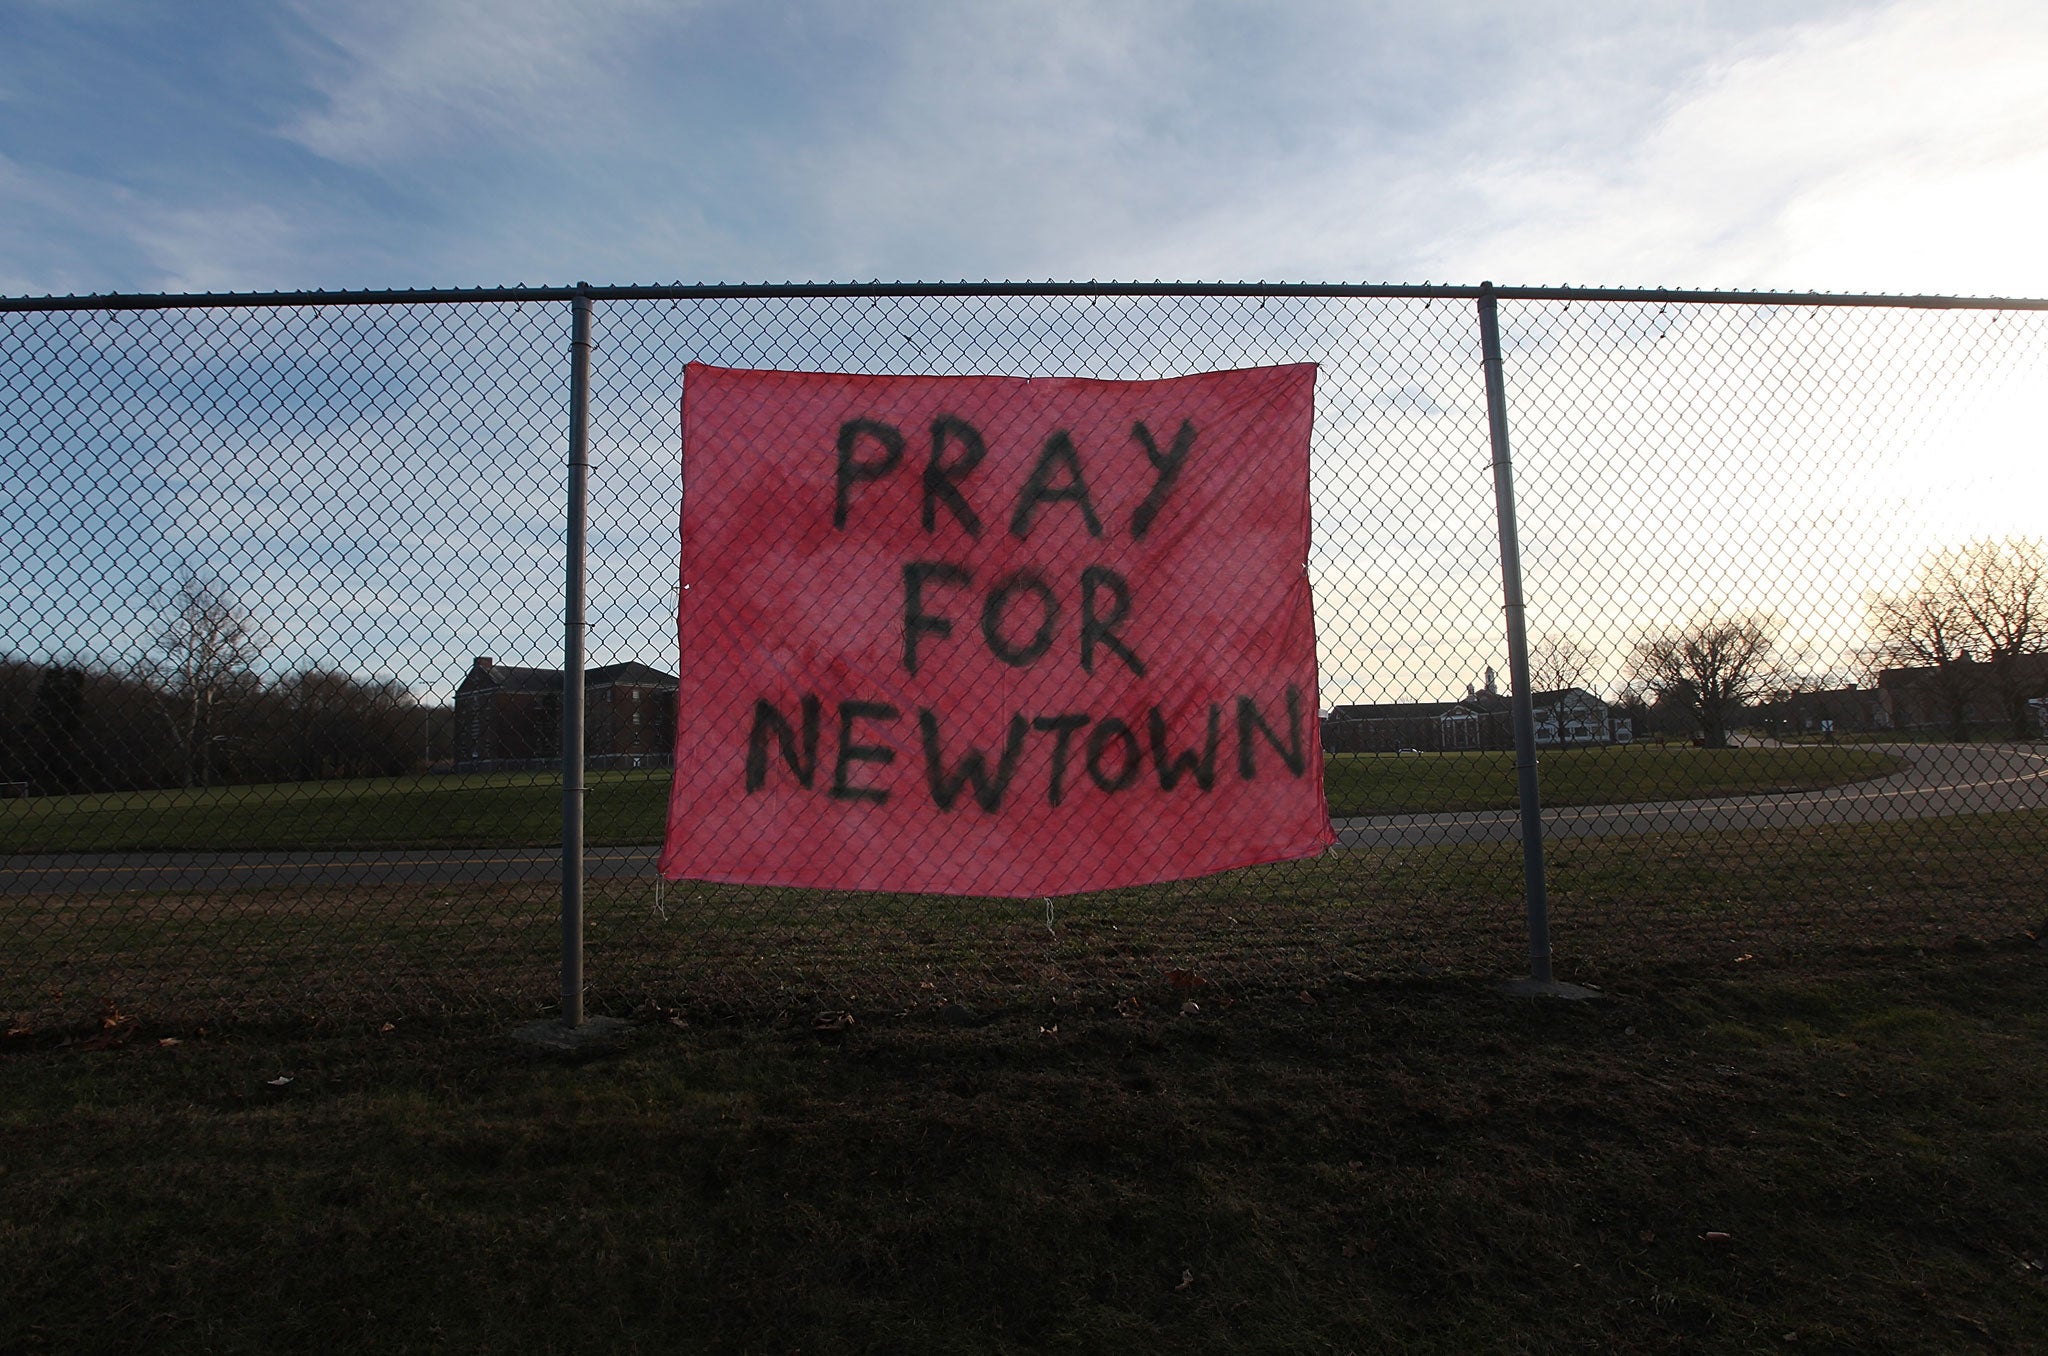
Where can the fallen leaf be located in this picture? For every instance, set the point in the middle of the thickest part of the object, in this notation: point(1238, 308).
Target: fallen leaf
point(1716, 1236)
point(279, 1081)
point(1190, 1008)
point(1187, 1278)
point(169, 1041)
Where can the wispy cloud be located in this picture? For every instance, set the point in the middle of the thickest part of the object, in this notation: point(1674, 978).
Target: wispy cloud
point(229, 247)
point(403, 80)
point(1179, 139)
point(50, 233)
point(1898, 150)
point(1785, 143)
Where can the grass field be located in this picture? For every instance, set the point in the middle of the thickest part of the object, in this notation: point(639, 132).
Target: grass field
point(374, 953)
point(1378, 784)
point(1809, 1114)
point(1843, 1157)
point(629, 807)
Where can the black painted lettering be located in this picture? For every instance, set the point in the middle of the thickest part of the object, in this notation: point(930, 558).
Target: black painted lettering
point(1062, 730)
point(1099, 627)
point(850, 752)
point(769, 723)
point(852, 470)
point(942, 478)
point(1109, 730)
point(916, 621)
point(1171, 766)
point(998, 603)
point(973, 767)
point(1166, 470)
point(1057, 455)
point(1291, 752)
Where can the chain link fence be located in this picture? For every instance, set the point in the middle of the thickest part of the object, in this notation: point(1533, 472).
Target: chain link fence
point(281, 688)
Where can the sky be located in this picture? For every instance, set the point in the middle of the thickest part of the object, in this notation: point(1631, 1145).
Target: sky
point(320, 466)
point(1782, 144)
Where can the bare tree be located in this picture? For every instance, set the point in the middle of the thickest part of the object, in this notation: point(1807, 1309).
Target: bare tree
point(1999, 586)
point(1631, 701)
point(1922, 630)
point(338, 725)
point(1972, 609)
point(1564, 664)
point(1558, 661)
point(1709, 669)
point(200, 664)
point(1800, 697)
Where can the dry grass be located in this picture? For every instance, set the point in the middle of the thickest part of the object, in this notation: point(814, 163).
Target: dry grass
point(1618, 907)
point(1844, 1154)
point(515, 809)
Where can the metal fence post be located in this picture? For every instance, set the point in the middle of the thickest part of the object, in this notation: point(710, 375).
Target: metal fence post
point(572, 660)
point(1534, 887)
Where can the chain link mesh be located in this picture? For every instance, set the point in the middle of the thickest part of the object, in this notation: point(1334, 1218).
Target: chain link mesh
point(280, 693)
point(1807, 536)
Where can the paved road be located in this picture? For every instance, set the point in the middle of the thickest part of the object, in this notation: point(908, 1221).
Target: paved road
point(99, 872)
point(1942, 779)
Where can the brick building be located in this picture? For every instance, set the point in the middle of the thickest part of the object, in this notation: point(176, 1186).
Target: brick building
point(508, 717)
point(1839, 710)
point(1967, 697)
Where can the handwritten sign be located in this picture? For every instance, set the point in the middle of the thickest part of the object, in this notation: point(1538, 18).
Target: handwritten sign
point(994, 635)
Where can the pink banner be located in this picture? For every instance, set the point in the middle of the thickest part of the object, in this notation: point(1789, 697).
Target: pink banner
point(994, 635)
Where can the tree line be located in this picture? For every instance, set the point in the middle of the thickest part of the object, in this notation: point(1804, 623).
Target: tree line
point(1970, 625)
point(193, 711)
point(1972, 620)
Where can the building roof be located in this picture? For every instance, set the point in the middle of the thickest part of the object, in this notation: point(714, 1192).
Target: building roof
point(511, 678)
point(514, 678)
point(2029, 667)
point(632, 671)
point(1397, 710)
point(1477, 703)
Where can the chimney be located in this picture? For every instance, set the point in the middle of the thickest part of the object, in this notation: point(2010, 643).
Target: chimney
point(482, 661)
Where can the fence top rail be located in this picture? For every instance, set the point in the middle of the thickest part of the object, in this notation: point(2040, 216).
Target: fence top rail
point(160, 301)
